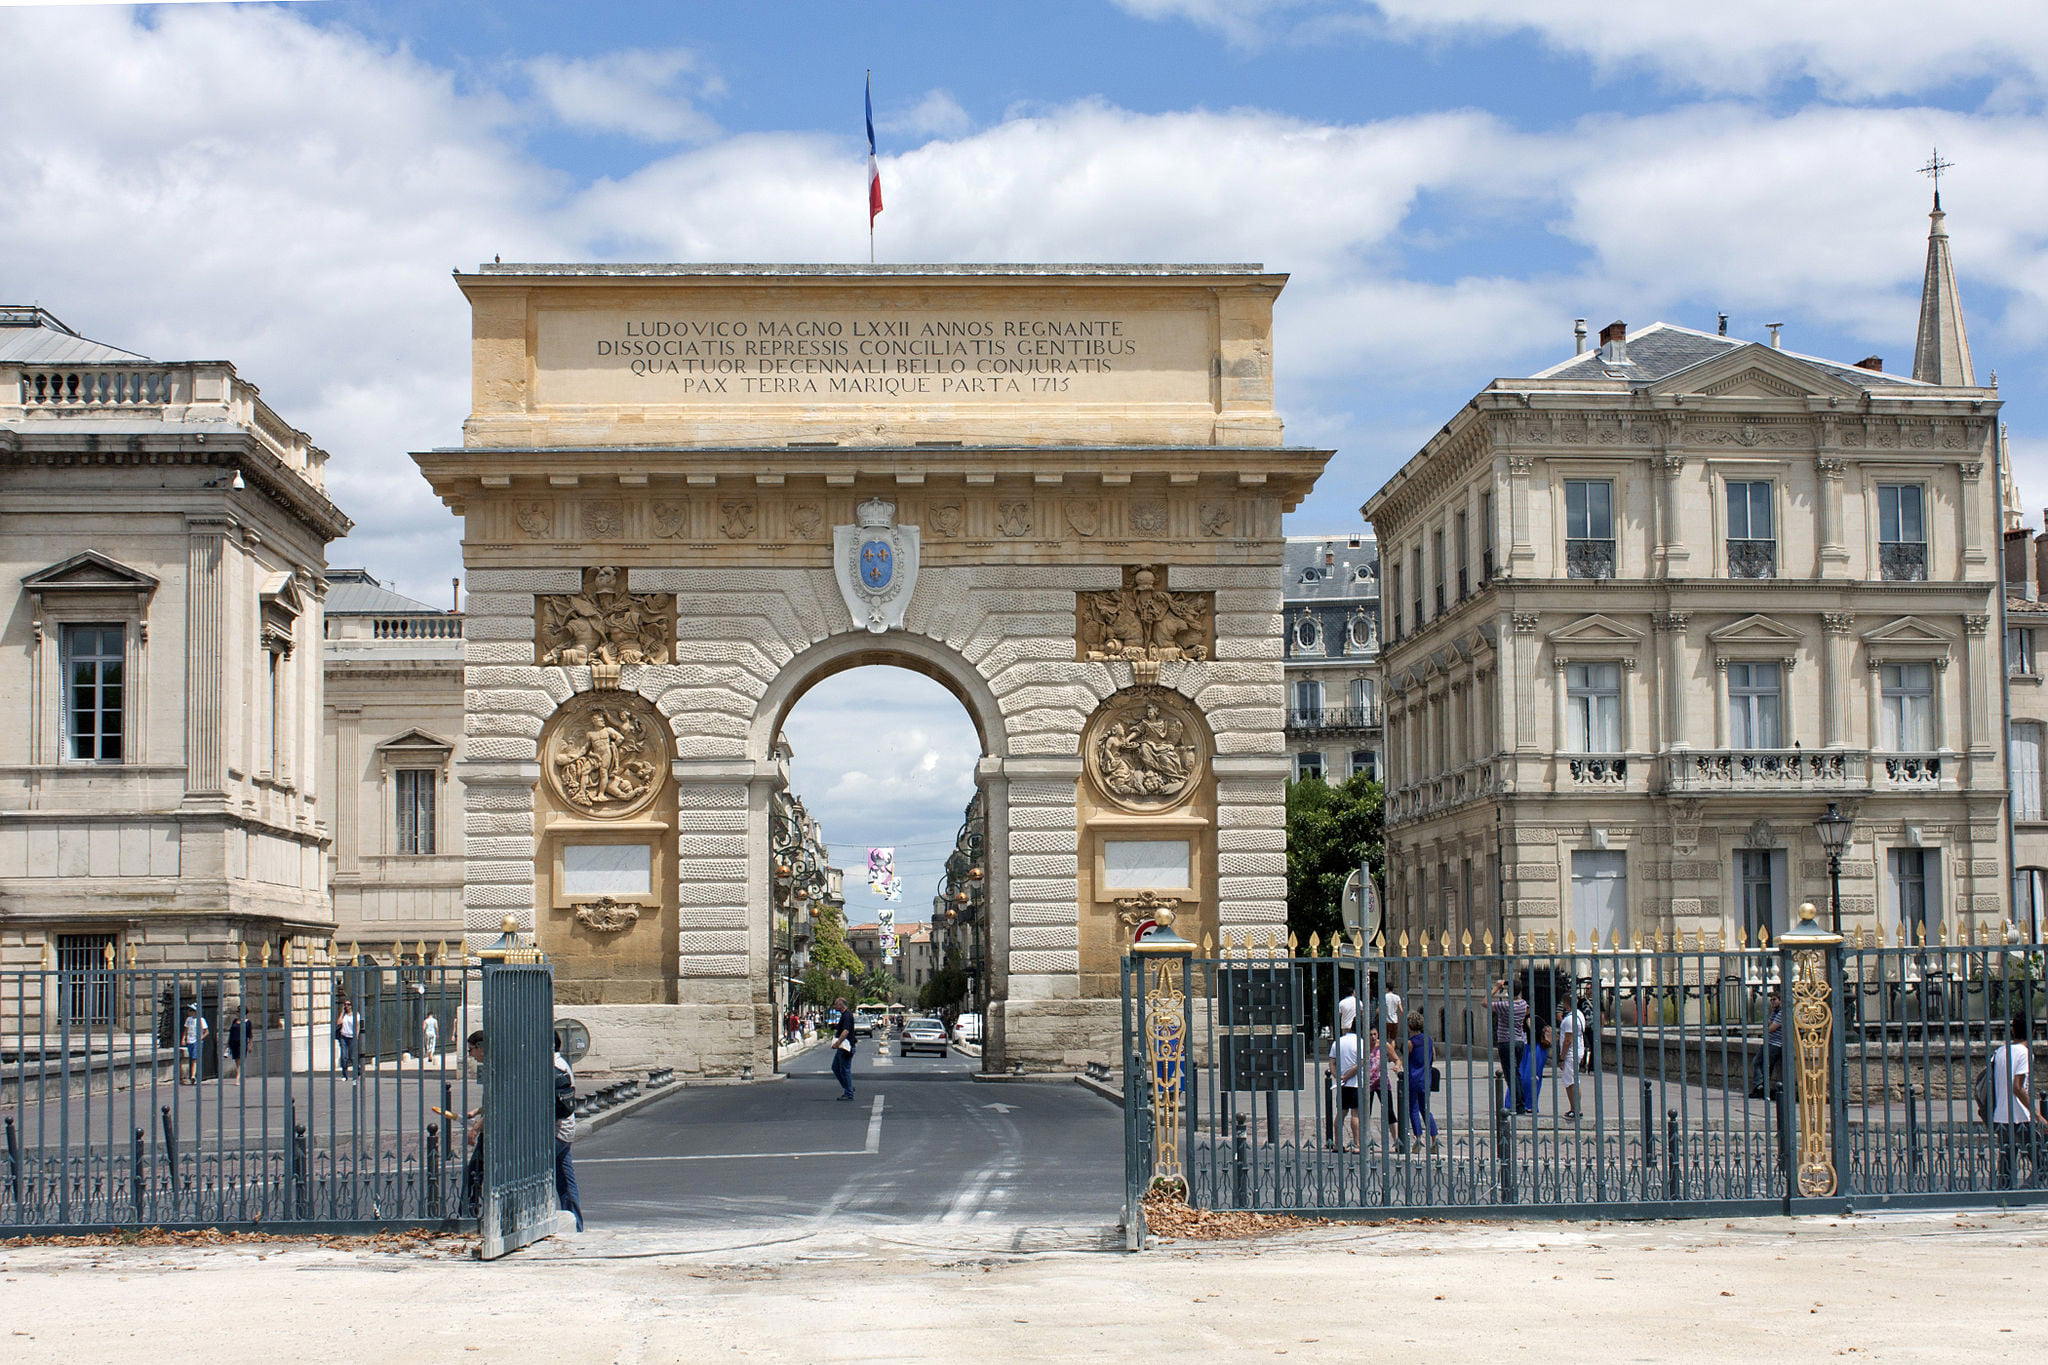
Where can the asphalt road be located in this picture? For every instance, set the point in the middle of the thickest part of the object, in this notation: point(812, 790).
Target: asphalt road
point(922, 1144)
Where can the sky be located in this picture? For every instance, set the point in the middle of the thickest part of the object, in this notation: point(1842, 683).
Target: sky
point(1448, 182)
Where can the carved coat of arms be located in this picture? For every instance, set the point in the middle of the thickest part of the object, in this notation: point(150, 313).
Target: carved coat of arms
point(604, 624)
point(875, 561)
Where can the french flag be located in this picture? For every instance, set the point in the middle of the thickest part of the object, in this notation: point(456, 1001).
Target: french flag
point(874, 168)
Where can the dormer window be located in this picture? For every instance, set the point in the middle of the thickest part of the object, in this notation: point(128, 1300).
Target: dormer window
point(1308, 633)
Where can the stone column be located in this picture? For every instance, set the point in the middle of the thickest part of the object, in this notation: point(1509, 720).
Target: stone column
point(1521, 547)
point(1975, 519)
point(1982, 712)
point(1834, 554)
point(1671, 548)
point(347, 797)
point(205, 657)
point(1721, 733)
point(1672, 733)
point(1834, 677)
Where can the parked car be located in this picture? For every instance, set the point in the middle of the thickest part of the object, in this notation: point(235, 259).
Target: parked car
point(967, 1028)
point(925, 1035)
point(865, 1022)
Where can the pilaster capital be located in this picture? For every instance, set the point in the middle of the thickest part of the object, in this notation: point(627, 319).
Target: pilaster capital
point(1830, 467)
point(1837, 622)
point(1670, 622)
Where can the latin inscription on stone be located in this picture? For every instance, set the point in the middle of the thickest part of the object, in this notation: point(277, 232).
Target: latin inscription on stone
point(945, 355)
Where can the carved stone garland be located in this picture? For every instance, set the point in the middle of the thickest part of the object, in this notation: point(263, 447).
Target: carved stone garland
point(1146, 750)
point(605, 915)
point(603, 755)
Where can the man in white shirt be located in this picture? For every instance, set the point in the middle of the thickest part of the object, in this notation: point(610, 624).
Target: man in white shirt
point(1571, 1050)
point(1347, 1070)
point(191, 1045)
point(1347, 1011)
point(2014, 1121)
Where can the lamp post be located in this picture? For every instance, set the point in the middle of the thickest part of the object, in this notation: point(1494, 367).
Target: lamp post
point(1833, 829)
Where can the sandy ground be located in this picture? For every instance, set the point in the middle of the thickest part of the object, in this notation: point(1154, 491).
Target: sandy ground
point(1900, 1287)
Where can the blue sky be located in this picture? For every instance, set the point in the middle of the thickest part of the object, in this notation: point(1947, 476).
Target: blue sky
point(1449, 182)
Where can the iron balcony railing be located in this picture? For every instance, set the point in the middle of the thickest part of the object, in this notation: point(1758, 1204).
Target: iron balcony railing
point(1752, 559)
point(1901, 561)
point(1323, 720)
point(1589, 559)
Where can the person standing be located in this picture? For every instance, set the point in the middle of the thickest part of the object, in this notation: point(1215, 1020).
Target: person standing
point(347, 1023)
point(566, 1193)
point(1767, 1081)
point(239, 1031)
point(473, 1169)
point(430, 1035)
point(1421, 1080)
point(1346, 1068)
point(1510, 1036)
point(842, 1048)
point(191, 1040)
point(1571, 1050)
point(2015, 1122)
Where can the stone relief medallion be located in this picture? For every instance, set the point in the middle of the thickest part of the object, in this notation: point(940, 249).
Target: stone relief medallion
point(1148, 517)
point(606, 915)
point(604, 754)
point(948, 518)
point(670, 519)
point(604, 624)
point(1146, 749)
point(1143, 621)
point(736, 519)
point(1013, 519)
point(805, 519)
point(1084, 516)
point(603, 520)
point(537, 519)
point(875, 562)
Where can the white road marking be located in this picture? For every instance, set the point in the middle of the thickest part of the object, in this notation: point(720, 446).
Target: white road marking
point(1000, 1108)
point(968, 1201)
point(873, 1148)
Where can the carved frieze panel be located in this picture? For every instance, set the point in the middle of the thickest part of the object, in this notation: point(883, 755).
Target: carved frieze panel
point(1146, 749)
point(606, 915)
point(605, 753)
point(604, 624)
point(1144, 620)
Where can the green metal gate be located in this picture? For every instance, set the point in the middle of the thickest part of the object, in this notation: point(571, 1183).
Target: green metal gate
point(517, 1201)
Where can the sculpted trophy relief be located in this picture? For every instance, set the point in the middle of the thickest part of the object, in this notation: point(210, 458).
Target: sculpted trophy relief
point(1144, 622)
point(603, 756)
point(604, 626)
point(1146, 749)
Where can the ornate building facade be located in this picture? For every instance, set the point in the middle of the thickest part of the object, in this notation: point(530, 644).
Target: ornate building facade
point(1654, 610)
point(166, 534)
point(1330, 617)
point(2026, 667)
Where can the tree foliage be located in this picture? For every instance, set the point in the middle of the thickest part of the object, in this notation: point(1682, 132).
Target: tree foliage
point(829, 949)
point(1331, 827)
point(946, 989)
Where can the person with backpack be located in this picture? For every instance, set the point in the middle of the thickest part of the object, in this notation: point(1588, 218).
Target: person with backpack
point(2016, 1123)
point(566, 1193)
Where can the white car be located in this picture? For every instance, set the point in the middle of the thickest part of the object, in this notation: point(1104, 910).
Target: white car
point(925, 1035)
point(967, 1028)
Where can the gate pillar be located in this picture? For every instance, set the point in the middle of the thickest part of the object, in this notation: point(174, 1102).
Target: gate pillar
point(1812, 971)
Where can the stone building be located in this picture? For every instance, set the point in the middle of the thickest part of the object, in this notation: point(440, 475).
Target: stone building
point(391, 751)
point(166, 534)
point(1329, 612)
point(912, 962)
point(2026, 637)
point(1653, 610)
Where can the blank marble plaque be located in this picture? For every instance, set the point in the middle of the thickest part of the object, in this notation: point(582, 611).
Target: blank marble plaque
point(607, 870)
point(1144, 864)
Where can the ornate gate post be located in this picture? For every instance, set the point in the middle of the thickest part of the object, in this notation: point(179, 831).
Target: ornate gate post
point(1165, 1032)
point(1812, 965)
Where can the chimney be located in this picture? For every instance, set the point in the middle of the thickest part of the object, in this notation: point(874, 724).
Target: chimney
point(1720, 324)
point(455, 595)
point(1614, 343)
point(1773, 327)
point(1578, 336)
point(1871, 362)
point(2018, 582)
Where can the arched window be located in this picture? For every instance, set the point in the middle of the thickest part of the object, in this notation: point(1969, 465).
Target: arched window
point(1308, 633)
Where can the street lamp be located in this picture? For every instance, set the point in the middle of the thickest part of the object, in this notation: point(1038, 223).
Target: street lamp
point(1833, 829)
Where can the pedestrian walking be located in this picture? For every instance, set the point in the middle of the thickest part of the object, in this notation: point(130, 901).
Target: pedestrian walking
point(347, 1024)
point(1766, 1079)
point(191, 1042)
point(1571, 1052)
point(1422, 1079)
point(842, 1048)
point(430, 1035)
point(2016, 1123)
point(240, 1029)
point(566, 1194)
point(1510, 1035)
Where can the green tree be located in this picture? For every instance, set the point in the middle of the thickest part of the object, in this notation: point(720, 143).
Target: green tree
point(828, 946)
point(946, 989)
point(879, 985)
point(819, 987)
point(1330, 828)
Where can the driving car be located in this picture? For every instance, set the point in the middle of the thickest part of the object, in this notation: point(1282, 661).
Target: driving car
point(864, 1022)
point(925, 1035)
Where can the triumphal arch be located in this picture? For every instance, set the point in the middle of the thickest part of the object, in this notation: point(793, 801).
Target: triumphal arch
point(689, 493)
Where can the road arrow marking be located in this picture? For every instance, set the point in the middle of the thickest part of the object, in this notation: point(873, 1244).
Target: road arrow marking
point(1000, 1108)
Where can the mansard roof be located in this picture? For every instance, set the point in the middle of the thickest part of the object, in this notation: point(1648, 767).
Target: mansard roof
point(30, 335)
point(1664, 349)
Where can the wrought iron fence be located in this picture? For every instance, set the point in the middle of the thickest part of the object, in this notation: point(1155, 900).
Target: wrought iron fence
point(229, 1097)
point(1682, 1075)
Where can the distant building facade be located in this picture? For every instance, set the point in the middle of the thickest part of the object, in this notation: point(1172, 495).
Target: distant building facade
point(1330, 614)
point(1720, 586)
point(391, 752)
point(165, 532)
point(2026, 666)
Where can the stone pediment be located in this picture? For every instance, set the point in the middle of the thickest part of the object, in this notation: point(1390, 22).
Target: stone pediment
point(1755, 630)
point(415, 744)
point(89, 571)
point(1596, 630)
point(282, 595)
point(1755, 371)
point(1908, 630)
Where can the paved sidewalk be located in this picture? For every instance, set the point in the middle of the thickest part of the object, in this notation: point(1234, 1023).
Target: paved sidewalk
point(1924, 1286)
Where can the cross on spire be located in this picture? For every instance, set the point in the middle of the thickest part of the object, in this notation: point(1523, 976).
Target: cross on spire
point(1934, 167)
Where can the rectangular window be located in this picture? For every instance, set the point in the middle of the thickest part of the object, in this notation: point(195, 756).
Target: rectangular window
point(2025, 763)
point(1600, 894)
point(1593, 708)
point(1755, 706)
point(416, 788)
point(2019, 651)
point(1588, 528)
point(1361, 699)
point(85, 980)
point(1415, 584)
point(1752, 532)
point(1308, 702)
point(1458, 534)
point(1485, 538)
point(1366, 762)
point(1908, 691)
point(1308, 765)
point(2029, 899)
point(95, 686)
point(1902, 531)
point(1759, 888)
point(1436, 546)
point(1916, 891)
point(1394, 596)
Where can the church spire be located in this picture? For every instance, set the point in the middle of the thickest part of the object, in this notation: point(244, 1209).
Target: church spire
point(1941, 352)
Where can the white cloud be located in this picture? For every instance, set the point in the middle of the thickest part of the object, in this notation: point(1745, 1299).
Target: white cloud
point(938, 114)
point(647, 94)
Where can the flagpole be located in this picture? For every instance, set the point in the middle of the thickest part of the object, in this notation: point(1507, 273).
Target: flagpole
point(871, 162)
